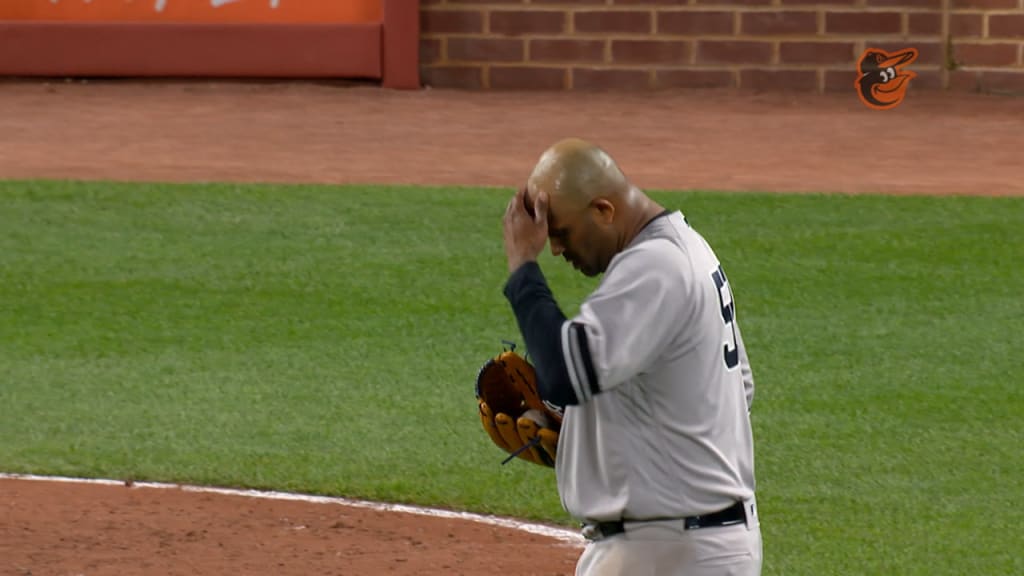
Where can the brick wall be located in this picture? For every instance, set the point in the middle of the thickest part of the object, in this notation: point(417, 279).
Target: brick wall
point(804, 45)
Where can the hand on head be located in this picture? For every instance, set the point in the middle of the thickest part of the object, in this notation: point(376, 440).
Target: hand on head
point(525, 227)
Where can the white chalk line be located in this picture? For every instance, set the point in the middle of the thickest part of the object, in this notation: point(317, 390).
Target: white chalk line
point(563, 535)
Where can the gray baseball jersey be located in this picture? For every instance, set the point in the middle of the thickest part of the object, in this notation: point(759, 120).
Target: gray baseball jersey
point(662, 428)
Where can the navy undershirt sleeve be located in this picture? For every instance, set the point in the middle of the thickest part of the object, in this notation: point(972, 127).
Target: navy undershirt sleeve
point(540, 322)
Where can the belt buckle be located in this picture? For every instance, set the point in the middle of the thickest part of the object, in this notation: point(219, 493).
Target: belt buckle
point(591, 532)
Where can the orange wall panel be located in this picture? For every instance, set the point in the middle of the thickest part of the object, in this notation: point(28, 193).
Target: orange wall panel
point(194, 11)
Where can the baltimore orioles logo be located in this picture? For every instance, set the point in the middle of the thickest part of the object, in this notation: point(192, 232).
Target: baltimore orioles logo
point(882, 82)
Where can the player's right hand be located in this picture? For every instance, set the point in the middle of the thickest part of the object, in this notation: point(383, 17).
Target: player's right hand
point(525, 234)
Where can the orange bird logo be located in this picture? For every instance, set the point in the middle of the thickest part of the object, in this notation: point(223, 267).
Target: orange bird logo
point(881, 81)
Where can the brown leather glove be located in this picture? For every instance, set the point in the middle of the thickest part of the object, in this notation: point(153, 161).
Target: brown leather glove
point(512, 412)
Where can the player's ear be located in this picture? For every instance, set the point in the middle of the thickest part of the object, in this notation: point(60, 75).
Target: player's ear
point(604, 210)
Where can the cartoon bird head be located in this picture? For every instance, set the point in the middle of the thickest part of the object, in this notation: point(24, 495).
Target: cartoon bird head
point(882, 82)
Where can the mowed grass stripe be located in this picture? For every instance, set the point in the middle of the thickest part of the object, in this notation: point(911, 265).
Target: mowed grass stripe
point(325, 339)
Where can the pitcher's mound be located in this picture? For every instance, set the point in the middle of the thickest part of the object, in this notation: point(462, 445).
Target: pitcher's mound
point(70, 528)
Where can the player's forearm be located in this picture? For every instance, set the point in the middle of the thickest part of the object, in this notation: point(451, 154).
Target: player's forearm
point(540, 321)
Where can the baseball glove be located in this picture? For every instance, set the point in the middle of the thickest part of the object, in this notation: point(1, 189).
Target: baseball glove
point(512, 411)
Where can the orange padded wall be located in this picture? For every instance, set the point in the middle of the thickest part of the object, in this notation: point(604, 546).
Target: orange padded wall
point(219, 11)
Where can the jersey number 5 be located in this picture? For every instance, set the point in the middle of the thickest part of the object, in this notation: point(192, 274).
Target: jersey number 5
point(732, 352)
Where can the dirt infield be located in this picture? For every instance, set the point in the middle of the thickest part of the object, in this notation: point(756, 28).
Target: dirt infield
point(277, 132)
point(930, 144)
point(70, 529)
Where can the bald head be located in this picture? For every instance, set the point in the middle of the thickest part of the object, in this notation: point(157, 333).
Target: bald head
point(574, 171)
point(593, 211)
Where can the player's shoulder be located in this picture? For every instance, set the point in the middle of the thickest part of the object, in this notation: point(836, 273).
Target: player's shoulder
point(657, 246)
point(667, 248)
point(651, 256)
point(661, 239)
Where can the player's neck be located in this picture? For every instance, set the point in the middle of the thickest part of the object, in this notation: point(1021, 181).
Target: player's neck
point(646, 211)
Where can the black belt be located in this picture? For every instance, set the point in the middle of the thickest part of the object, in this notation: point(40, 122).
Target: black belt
point(735, 514)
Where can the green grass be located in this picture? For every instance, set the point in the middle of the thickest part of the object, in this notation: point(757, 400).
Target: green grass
point(325, 340)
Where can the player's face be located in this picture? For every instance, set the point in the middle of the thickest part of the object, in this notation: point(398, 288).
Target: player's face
point(576, 236)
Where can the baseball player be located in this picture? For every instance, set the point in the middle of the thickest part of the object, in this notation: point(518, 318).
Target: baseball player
point(655, 456)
